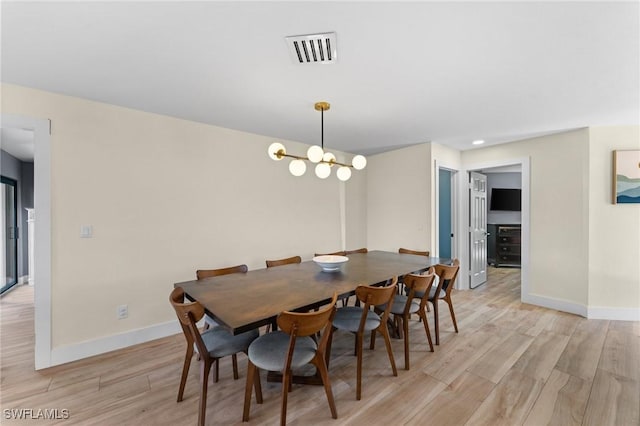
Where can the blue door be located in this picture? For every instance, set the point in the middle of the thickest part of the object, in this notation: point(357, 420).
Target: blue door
point(444, 210)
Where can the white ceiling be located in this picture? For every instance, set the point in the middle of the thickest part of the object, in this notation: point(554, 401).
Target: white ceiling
point(18, 142)
point(406, 73)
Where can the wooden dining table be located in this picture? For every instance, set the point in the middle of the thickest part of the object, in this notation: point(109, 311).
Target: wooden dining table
point(244, 301)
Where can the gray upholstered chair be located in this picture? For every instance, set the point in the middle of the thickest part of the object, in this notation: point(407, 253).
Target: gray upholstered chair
point(361, 319)
point(289, 348)
point(212, 345)
point(447, 275)
point(404, 306)
point(202, 274)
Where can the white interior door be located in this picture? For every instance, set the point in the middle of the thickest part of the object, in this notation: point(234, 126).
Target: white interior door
point(478, 229)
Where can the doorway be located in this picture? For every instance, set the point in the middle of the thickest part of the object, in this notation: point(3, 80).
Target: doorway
point(9, 234)
point(445, 213)
point(523, 166)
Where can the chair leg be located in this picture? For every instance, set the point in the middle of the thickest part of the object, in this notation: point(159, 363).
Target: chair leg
point(405, 327)
point(453, 315)
point(286, 381)
point(359, 366)
point(234, 358)
point(204, 377)
point(185, 371)
point(217, 372)
point(251, 373)
point(372, 340)
point(426, 329)
point(258, 387)
point(387, 342)
point(324, 374)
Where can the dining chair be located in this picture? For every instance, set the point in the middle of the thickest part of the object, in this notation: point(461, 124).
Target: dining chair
point(212, 345)
point(360, 250)
point(402, 250)
point(447, 275)
point(404, 306)
point(201, 274)
point(361, 319)
point(335, 253)
point(292, 347)
point(280, 262)
point(416, 252)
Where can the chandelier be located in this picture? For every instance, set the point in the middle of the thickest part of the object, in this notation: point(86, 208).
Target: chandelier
point(324, 161)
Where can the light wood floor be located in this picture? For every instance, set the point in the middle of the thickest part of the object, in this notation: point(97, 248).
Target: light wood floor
point(511, 364)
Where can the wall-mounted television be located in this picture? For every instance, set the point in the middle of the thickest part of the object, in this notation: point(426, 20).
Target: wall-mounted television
point(506, 199)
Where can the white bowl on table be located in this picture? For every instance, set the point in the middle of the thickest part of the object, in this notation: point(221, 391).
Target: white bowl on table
point(330, 262)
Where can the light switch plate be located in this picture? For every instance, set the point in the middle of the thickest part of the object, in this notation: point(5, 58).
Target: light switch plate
point(86, 231)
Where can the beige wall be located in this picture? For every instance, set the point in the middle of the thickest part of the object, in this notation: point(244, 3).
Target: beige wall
point(614, 230)
point(399, 199)
point(166, 197)
point(559, 215)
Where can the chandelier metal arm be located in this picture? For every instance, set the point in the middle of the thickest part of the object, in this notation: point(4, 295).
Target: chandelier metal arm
point(281, 154)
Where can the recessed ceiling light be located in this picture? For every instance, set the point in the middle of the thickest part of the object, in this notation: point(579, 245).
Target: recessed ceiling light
point(478, 142)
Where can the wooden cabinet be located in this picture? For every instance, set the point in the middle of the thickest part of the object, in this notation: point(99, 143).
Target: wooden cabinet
point(504, 243)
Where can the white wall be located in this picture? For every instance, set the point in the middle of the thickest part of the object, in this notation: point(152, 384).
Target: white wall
point(614, 230)
point(559, 219)
point(399, 199)
point(165, 197)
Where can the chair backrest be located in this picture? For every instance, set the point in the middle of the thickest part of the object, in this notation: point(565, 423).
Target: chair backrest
point(419, 283)
point(448, 275)
point(409, 251)
point(208, 273)
point(360, 250)
point(337, 253)
point(280, 262)
point(307, 323)
point(189, 314)
point(374, 296)
point(299, 324)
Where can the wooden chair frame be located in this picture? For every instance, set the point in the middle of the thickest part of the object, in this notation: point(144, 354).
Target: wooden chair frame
point(208, 273)
point(286, 261)
point(416, 252)
point(202, 274)
point(370, 296)
point(448, 275)
point(360, 250)
point(188, 315)
point(335, 253)
point(297, 324)
point(416, 283)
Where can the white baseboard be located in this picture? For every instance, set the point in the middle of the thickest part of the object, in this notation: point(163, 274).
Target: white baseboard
point(557, 304)
point(620, 314)
point(74, 352)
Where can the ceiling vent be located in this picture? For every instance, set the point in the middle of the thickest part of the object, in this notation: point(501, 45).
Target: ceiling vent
point(313, 48)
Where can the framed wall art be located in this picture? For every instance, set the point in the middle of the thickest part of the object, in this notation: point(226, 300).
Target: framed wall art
point(626, 177)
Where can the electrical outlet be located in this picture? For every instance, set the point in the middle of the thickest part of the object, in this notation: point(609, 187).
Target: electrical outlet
point(122, 311)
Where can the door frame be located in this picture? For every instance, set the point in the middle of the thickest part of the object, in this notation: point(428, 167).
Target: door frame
point(463, 229)
point(42, 240)
point(14, 183)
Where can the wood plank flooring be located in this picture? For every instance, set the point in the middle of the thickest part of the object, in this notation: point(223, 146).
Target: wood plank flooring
point(511, 364)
